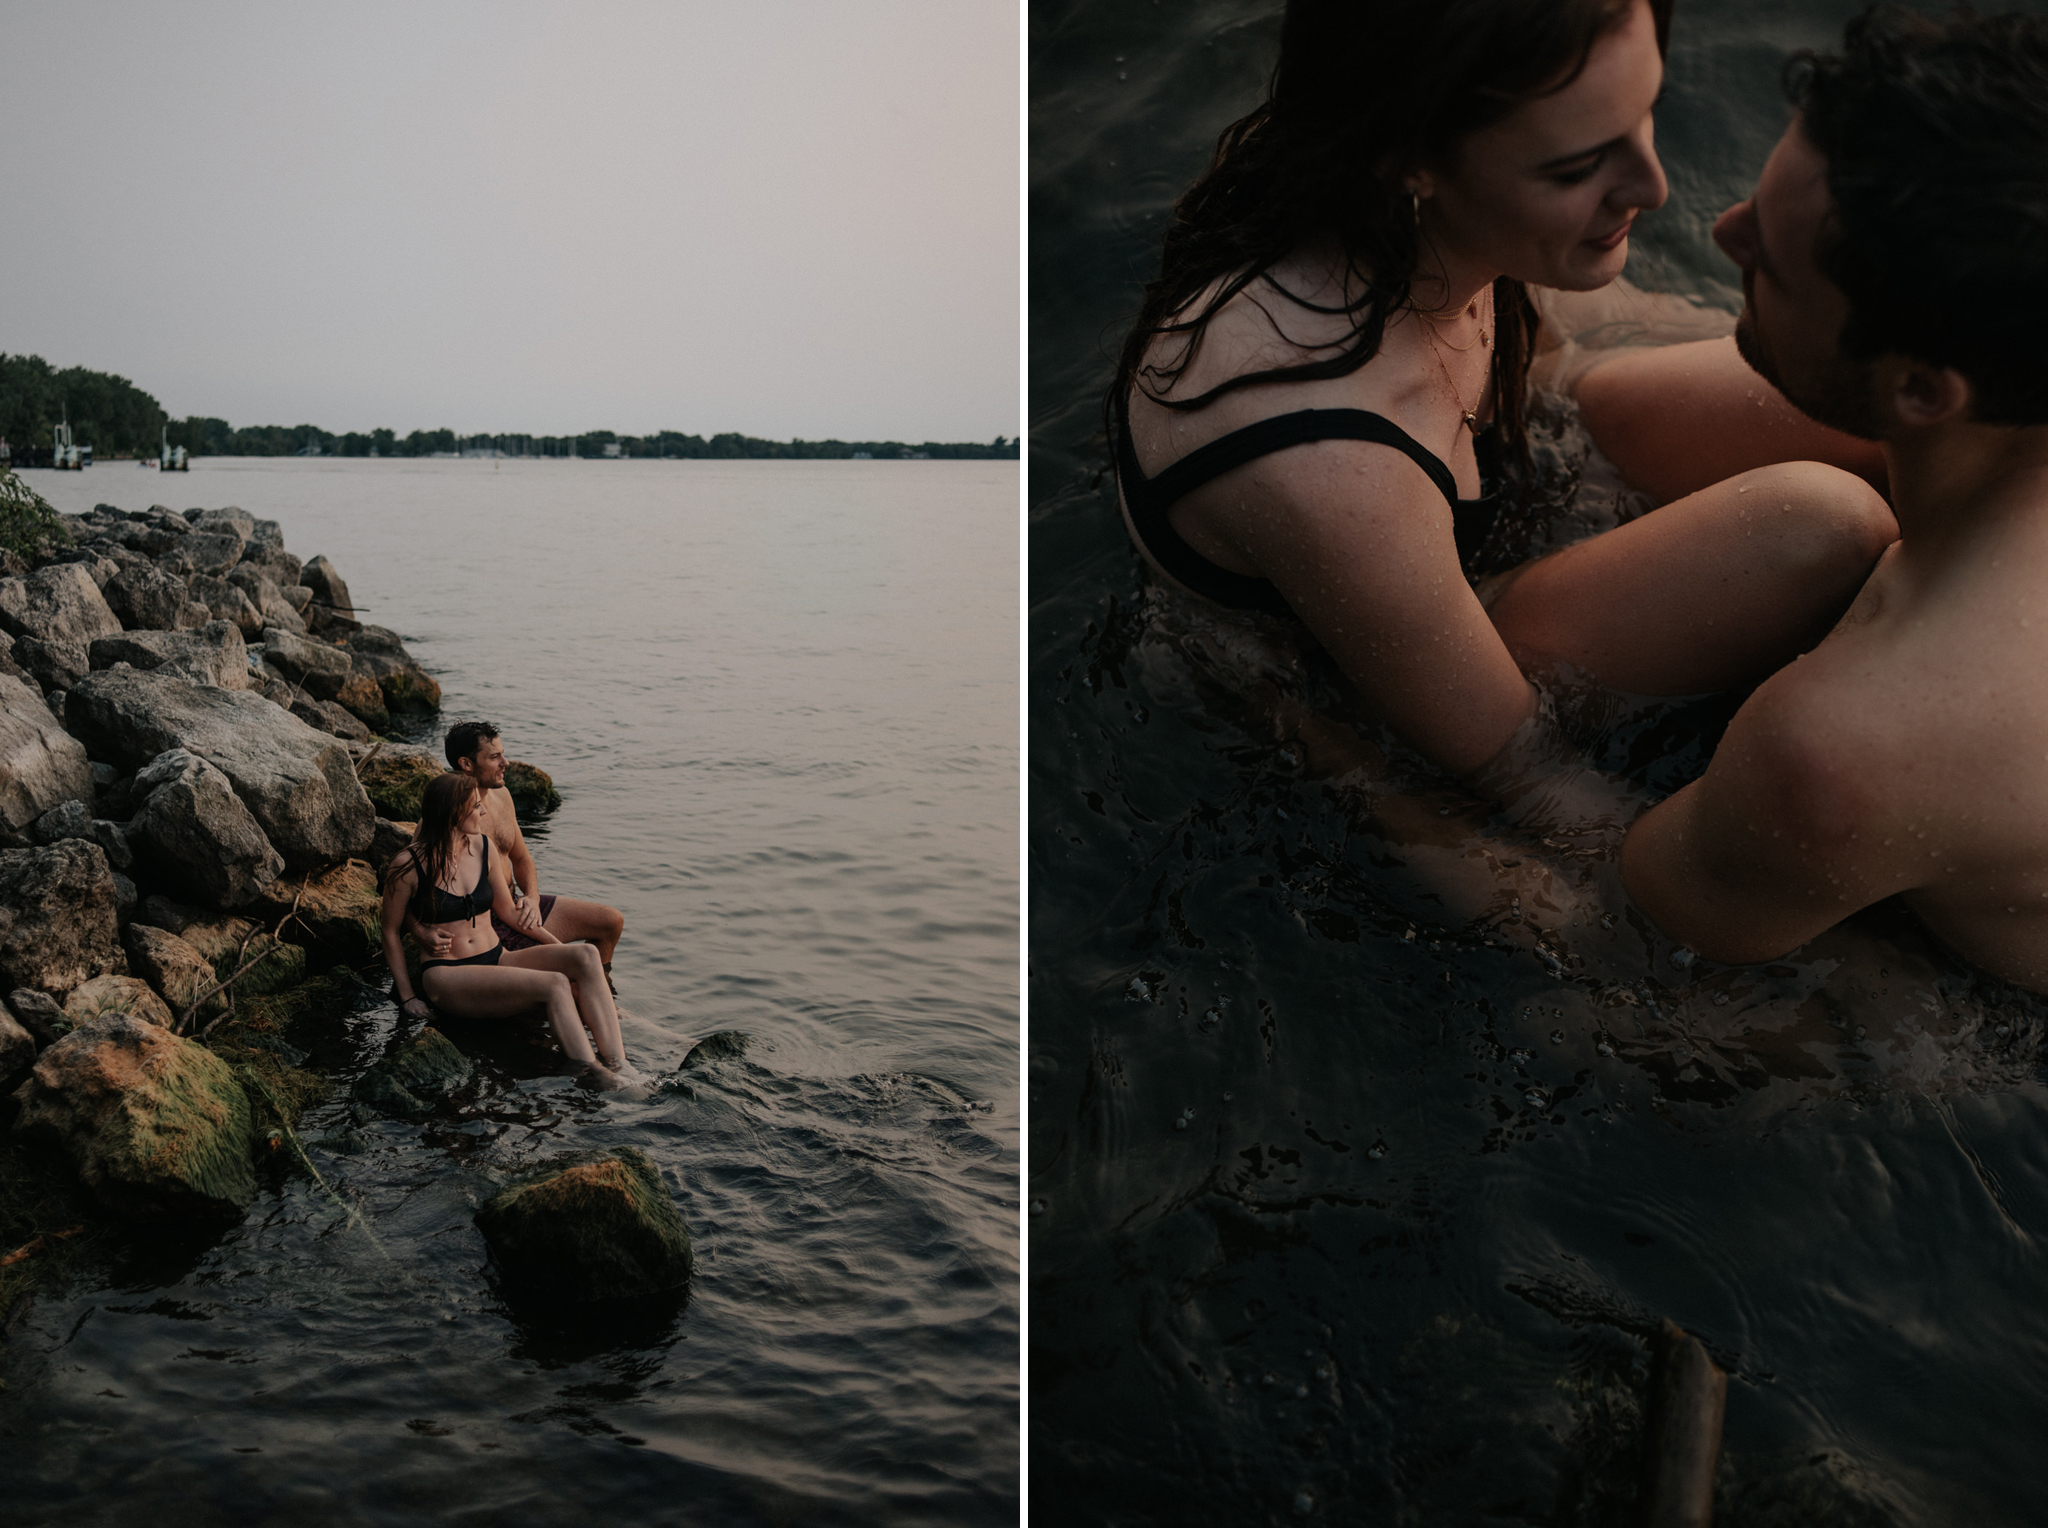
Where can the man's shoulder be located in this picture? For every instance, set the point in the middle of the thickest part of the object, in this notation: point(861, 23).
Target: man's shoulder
point(502, 818)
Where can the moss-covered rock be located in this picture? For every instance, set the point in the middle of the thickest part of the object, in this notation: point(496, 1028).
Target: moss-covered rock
point(177, 971)
point(115, 994)
point(408, 1081)
point(226, 941)
point(595, 1226)
point(409, 692)
point(155, 1126)
point(340, 914)
point(532, 790)
point(395, 784)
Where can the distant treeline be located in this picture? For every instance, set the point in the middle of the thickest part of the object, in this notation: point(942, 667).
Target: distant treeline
point(116, 418)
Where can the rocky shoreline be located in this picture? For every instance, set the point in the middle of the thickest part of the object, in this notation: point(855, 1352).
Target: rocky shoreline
point(195, 805)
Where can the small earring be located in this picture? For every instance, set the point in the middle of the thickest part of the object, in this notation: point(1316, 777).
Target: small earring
point(1415, 206)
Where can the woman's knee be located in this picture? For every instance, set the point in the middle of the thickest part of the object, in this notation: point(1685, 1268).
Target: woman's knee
point(1827, 519)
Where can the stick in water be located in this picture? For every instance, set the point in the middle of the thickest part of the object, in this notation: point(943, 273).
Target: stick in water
point(1688, 1393)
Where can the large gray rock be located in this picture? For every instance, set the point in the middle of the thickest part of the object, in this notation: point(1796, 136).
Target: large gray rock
point(156, 1126)
point(225, 601)
point(320, 667)
point(230, 521)
point(328, 588)
point(596, 1226)
point(146, 598)
point(267, 597)
point(326, 716)
point(380, 657)
point(214, 654)
point(212, 552)
point(193, 833)
point(58, 923)
point(41, 765)
point(54, 664)
point(39, 1013)
point(177, 971)
point(58, 603)
point(299, 783)
point(275, 562)
point(265, 536)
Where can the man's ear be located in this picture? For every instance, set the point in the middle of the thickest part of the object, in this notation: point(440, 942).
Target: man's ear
point(1919, 395)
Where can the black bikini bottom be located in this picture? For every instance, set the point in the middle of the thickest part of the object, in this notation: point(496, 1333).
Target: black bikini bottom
point(488, 958)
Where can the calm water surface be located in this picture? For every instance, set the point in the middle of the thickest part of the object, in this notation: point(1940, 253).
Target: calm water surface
point(780, 701)
point(1354, 1198)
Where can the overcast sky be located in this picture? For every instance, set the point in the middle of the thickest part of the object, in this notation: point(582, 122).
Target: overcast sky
point(784, 217)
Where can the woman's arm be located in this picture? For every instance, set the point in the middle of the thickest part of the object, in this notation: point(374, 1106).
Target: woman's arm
point(398, 884)
point(506, 912)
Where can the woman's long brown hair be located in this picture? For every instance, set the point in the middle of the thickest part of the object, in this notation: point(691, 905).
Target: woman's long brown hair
point(442, 804)
point(1365, 92)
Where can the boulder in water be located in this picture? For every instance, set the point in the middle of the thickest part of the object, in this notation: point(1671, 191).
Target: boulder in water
point(395, 783)
point(724, 1045)
point(330, 593)
point(155, 1126)
point(532, 789)
point(407, 1082)
point(595, 1226)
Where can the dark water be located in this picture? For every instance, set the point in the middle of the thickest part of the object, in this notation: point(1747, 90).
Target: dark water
point(1370, 1141)
point(780, 700)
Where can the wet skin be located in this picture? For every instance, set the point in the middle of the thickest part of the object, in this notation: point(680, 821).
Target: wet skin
point(1704, 594)
point(1904, 755)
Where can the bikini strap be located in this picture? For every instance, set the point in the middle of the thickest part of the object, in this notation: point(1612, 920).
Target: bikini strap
point(1262, 438)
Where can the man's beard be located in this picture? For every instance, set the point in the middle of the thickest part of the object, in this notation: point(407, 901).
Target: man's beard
point(1840, 400)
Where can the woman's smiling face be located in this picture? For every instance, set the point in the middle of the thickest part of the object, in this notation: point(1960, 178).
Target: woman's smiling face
point(1548, 193)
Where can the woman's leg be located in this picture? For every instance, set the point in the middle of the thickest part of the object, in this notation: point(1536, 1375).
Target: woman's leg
point(500, 991)
point(584, 968)
point(1718, 589)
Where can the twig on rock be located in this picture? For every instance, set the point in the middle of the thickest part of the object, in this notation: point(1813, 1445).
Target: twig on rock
point(375, 749)
point(185, 1018)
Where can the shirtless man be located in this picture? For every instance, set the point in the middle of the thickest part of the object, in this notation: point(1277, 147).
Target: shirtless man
point(1895, 265)
point(473, 748)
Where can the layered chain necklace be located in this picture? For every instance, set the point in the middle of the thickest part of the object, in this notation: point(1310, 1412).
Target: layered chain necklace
point(1484, 340)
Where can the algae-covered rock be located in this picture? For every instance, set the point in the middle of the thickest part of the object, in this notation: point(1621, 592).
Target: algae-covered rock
point(408, 1081)
point(226, 941)
point(115, 994)
point(340, 911)
point(410, 692)
point(595, 1226)
point(533, 792)
point(156, 1126)
point(395, 784)
point(725, 1045)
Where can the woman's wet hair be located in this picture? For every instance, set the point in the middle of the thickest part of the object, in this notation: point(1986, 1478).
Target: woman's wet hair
point(442, 804)
point(1936, 140)
point(1364, 93)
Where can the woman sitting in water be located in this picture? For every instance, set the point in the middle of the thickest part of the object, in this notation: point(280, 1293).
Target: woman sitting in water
point(1336, 351)
point(450, 883)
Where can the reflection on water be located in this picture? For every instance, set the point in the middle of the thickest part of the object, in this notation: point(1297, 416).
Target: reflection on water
point(1371, 1135)
point(779, 701)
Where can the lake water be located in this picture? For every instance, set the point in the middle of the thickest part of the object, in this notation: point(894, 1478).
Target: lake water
point(1352, 1202)
point(780, 701)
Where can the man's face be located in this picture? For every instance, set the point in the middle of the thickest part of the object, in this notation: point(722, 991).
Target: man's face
point(1792, 314)
point(489, 764)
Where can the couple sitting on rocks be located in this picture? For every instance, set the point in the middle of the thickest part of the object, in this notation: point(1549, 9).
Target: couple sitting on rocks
point(496, 948)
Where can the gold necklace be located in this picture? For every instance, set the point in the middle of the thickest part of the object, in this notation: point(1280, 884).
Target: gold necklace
point(1485, 336)
point(1471, 423)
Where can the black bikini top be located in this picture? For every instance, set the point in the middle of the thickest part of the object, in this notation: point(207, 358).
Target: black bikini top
point(1149, 499)
point(446, 907)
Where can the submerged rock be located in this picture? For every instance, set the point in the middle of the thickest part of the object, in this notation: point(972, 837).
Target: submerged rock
point(41, 765)
point(58, 917)
point(155, 1126)
point(595, 1226)
point(407, 1082)
point(725, 1045)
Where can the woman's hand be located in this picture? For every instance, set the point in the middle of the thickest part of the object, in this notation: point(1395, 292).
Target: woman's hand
point(416, 1008)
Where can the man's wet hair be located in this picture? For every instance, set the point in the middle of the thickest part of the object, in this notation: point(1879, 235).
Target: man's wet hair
point(464, 739)
point(1935, 134)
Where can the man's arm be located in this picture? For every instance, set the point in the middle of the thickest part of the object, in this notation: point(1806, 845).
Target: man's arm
point(1679, 418)
point(1782, 838)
